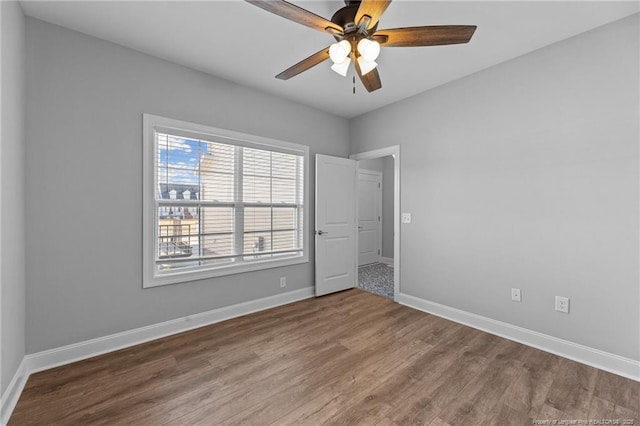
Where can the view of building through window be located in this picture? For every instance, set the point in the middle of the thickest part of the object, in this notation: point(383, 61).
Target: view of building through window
point(220, 203)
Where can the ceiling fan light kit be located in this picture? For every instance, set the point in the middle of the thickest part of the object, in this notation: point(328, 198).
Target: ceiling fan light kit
point(358, 40)
point(369, 49)
point(339, 51)
point(342, 67)
point(366, 66)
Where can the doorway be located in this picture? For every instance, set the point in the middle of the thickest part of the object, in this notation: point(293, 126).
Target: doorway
point(377, 213)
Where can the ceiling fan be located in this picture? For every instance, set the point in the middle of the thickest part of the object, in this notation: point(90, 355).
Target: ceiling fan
point(358, 40)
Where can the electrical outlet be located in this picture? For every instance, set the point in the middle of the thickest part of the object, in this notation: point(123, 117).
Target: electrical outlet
point(562, 304)
point(283, 282)
point(515, 295)
point(406, 217)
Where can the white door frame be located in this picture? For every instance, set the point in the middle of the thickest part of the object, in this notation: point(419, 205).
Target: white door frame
point(394, 151)
point(378, 206)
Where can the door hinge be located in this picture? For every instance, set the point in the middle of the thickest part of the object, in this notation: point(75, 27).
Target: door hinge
point(378, 185)
point(378, 218)
point(378, 252)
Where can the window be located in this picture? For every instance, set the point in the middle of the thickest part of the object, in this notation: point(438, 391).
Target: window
point(218, 202)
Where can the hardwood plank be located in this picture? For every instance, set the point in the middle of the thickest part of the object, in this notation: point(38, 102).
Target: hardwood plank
point(333, 393)
point(461, 411)
point(485, 392)
point(222, 395)
point(439, 422)
point(368, 401)
point(618, 390)
point(601, 408)
point(421, 401)
point(625, 415)
point(548, 412)
point(313, 410)
point(386, 421)
point(527, 393)
point(505, 415)
point(143, 400)
point(80, 398)
point(435, 330)
point(473, 359)
point(572, 388)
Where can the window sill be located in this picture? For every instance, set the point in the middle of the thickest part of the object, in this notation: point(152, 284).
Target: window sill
point(214, 272)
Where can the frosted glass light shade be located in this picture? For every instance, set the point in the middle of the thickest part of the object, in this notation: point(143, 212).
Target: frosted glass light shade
point(338, 52)
point(342, 67)
point(366, 66)
point(369, 49)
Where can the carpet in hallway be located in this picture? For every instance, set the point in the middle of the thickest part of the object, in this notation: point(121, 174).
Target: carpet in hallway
point(376, 278)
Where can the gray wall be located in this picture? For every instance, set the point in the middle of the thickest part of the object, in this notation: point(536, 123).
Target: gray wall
point(12, 275)
point(85, 100)
point(384, 165)
point(526, 175)
point(374, 164)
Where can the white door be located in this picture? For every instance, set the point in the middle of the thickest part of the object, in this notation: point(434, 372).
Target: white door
point(369, 212)
point(335, 224)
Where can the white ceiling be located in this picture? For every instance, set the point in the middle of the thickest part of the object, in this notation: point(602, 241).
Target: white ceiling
point(242, 43)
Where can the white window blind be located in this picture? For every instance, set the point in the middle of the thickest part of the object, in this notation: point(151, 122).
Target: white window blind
point(221, 204)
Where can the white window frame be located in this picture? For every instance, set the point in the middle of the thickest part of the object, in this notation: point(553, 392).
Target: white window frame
point(151, 277)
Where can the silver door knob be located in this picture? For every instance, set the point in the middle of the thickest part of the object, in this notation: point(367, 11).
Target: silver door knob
point(321, 232)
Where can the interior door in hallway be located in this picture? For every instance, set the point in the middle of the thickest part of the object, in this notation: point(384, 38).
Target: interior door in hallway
point(369, 216)
point(335, 224)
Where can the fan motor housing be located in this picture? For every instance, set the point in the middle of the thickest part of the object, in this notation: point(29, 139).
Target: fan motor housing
point(345, 17)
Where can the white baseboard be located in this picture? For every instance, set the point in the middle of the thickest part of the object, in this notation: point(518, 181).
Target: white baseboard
point(12, 393)
point(78, 351)
point(386, 260)
point(584, 354)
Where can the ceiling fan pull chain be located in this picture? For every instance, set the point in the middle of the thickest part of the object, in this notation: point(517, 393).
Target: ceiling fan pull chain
point(354, 84)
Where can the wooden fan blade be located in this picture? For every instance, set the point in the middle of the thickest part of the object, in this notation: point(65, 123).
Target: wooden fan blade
point(297, 14)
point(305, 64)
point(425, 36)
point(373, 9)
point(371, 80)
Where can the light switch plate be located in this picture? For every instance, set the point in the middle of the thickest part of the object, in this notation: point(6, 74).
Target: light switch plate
point(406, 217)
point(515, 295)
